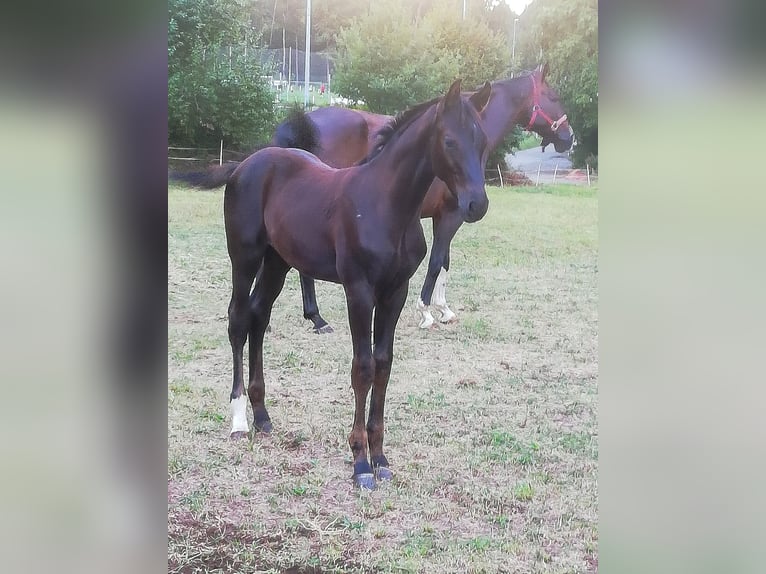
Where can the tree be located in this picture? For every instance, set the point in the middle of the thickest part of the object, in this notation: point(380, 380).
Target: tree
point(211, 95)
point(394, 57)
point(564, 33)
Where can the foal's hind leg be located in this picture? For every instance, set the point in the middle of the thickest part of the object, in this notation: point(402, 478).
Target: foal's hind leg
point(271, 280)
point(242, 275)
point(310, 307)
point(387, 313)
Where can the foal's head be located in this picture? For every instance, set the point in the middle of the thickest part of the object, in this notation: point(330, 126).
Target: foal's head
point(459, 149)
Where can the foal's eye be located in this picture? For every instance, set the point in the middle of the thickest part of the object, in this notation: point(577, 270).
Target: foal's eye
point(449, 143)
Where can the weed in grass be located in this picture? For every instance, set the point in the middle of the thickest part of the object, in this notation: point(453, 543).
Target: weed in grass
point(428, 401)
point(179, 388)
point(181, 356)
point(293, 440)
point(578, 443)
point(523, 492)
point(476, 328)
point(195, 500)
point(502, 521)
point(177, 465)
point(480, 544)
point(299, 490)
point(503, 446)
point(290, 360)
point(206, 415)
point(353, 525)
point(418, 545)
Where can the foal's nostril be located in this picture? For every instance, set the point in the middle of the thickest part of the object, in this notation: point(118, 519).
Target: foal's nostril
point(475, 210)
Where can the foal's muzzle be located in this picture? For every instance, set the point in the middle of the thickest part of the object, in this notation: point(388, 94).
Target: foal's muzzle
point(473, 206)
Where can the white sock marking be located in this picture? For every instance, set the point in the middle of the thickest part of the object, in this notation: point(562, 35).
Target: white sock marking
point(440, 297)
point(426, 318)
point(239, 415)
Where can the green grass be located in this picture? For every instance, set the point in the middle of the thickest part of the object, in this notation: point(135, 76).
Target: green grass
point(491, 424)
point(297, 96)
point(529, 141)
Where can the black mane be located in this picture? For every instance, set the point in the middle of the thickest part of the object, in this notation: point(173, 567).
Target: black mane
point(396, 125)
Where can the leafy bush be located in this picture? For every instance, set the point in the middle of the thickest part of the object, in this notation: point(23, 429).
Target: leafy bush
point(210, 95)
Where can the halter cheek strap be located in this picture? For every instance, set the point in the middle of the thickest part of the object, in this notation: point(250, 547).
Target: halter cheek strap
point(538, 110)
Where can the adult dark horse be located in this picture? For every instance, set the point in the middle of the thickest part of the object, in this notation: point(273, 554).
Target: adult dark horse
point(358, 226)
point(527, 101)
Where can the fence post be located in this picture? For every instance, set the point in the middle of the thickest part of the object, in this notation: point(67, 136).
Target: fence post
point(538, 174)
point(587, 170)
point(555, 171)
point(500, 173)
point(220, 157)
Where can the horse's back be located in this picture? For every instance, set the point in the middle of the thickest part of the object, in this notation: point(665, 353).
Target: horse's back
point(374, 124)
point(345, 135)
point(273, 172)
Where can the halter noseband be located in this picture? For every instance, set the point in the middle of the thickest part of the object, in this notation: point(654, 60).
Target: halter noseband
point(537, 109)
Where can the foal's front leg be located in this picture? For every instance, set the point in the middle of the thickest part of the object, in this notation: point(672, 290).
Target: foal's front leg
point(387, 313)
point(359, 299)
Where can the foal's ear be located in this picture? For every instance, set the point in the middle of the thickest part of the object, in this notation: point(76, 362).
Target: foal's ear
point(480, 98)
point(453, 95)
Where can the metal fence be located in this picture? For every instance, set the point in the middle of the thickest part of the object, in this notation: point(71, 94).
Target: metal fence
point(190, 159)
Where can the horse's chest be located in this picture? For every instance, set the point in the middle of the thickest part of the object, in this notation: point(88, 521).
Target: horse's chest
point(394, 257)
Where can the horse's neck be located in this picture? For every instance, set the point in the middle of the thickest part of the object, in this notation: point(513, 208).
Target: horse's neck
point(409, 160)
point(505, 108)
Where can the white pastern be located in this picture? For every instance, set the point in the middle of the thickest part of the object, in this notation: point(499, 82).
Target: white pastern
point(239, 415)
point(426, 319)
point(440, 297)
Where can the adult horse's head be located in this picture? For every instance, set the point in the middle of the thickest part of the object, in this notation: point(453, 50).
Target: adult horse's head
point(546, 114)
point(459, 150)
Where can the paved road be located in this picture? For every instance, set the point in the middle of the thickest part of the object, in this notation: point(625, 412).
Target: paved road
point(528, 161)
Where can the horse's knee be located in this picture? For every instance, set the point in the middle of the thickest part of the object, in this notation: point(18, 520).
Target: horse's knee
point(363, 369)
point(382, 359)
point(375, 427)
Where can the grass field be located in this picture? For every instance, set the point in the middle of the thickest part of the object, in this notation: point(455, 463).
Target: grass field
point(491, 421)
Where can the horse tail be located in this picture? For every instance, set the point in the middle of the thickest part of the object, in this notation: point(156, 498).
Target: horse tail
point(211, 178)
point(298, 130)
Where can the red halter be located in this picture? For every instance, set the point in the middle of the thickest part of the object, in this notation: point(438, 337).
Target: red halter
point(537, 109)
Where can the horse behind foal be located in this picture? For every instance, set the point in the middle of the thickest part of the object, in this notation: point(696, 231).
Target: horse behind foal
point(359, 227)
point(527, 101)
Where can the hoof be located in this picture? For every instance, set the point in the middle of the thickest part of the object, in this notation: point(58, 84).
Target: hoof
point(237, 435)
point(448, 320)
point(427, 323)
point(383, 473)
point(265, 427)
point(323, 330)
point(365, 481)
